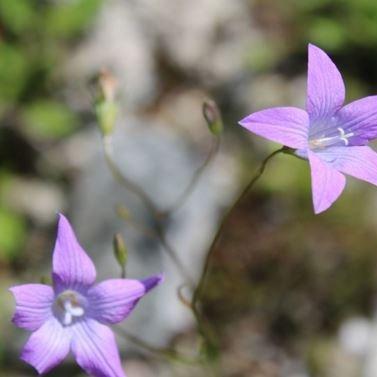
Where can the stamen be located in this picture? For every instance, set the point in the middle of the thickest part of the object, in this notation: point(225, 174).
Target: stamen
point(67, 320)
point(69, 305)
point(344, 137)
point(323, 142)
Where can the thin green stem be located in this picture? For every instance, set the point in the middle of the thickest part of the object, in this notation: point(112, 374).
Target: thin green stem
point(198, 292)
point(167, 353)
point(123, 180)
point(123, 272)
point(124, 214)
point(181, 200)
point(158, 234)
point(149, 204)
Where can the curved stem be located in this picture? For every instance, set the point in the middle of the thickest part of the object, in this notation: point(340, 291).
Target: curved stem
point(143, 196)
point(197, 295)
point(124, 214)
point(123, 180)
point(170, 250)
point(195, 178)
point(168, 353)
point(158, 234)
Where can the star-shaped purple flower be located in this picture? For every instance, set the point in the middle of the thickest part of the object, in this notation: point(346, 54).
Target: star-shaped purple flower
point(331, 136)
point(73, 314)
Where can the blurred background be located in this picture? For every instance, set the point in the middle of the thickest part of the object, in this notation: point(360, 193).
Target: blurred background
point(290, 294)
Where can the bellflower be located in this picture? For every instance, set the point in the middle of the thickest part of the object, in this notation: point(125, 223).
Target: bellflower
point(331, 136)
point(73, 314)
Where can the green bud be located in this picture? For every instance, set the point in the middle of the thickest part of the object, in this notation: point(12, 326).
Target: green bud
point(120, 252)
point(106, 108)
point(106, 115)
point(212, 116)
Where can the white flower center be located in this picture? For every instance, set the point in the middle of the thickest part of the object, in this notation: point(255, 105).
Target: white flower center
point(327, 141)
point(69, 306)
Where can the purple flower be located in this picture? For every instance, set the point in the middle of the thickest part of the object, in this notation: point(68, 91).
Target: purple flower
point(331, 136)
point(73, 314)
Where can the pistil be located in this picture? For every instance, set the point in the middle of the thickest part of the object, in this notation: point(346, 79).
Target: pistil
point(324, 142)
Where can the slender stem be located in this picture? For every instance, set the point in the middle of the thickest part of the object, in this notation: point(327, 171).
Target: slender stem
point(143, 196)
point(197, 295)
point(170, 250)
point(159, 235)
point(124, 214)
point(180, 201)
point(123, 272)
point(123, 180)
point(168, 353)
point(182, 298)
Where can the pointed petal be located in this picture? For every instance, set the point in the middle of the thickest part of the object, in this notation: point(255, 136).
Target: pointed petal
point(72, 268)
point(284, 125)
point(47, 346)
point(327, 183)
point(359, 162)
point(95, 349)
point(113, 300)
point(33, 305)
point(359, 117)
point(326, 90)
point(150, 282)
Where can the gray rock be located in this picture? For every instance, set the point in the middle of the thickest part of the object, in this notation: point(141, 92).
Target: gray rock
point(162, 163)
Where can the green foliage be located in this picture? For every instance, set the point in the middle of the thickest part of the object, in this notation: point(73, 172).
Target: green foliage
point(49, 119)
point(17, 16)
point(326, 32)
point(12, 234)
point(35, 36)
point(335, 24)
point(66, 19)
point(14, 72)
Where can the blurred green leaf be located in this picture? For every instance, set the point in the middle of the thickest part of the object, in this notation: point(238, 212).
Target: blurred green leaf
point(12, 234)
point(327, 33)
point(49, 119)
point(13, 72)
point(310, 5)
point(68, 18)
point(263, 56)
point(17, 15)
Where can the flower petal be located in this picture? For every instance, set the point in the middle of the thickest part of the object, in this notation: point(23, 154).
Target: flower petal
point(47, 346)
point(33, 305)
point(326, 92)
point(95, 349)
point(72, 268)
point(360, 118)
point(359, 162)
point(284, 125)
point(327, 183)
point(113, 300)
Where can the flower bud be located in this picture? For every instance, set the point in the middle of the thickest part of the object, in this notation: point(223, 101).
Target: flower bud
point(120, 252)
point(106, 108)
point(212, 116)
point(107, 85)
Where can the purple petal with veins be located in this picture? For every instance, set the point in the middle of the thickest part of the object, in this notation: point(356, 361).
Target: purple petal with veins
point(71, 316)
point(336, 137)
